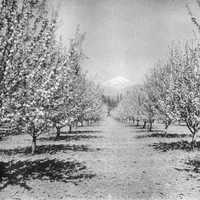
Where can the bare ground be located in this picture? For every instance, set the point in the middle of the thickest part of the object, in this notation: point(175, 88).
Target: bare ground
point(107, 161)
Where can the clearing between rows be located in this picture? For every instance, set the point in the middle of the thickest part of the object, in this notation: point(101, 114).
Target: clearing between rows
point(108, 160)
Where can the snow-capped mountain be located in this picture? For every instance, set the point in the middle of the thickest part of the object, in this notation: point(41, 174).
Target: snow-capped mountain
point(118, 83)
point(116, 86)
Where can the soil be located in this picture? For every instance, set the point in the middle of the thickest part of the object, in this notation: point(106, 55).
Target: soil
point(109, 160)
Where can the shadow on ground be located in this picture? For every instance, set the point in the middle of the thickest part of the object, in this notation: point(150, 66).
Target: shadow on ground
point(130, 125)
point(133, 125)
point(192, 167)
point(51, 149)
point(69, 137)
point(82, 132)
point(142, 130)
point(18, 173)
point(3, 138)
point(162, 135)
point(178, 145)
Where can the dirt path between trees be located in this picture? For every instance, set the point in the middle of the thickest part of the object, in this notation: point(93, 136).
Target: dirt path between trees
point(121, 163)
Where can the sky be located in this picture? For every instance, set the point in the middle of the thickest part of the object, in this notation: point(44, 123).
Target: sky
point(125, 37)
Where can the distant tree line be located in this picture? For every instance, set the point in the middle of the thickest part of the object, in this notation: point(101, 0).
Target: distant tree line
point(111, 101)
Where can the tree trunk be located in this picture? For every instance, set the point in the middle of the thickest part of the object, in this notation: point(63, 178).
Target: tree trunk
point(33, 145)
point(144, 125)
point(58, 132)
point(150, 126)
point(70, 128)
point(193, 131)
point(193, 142)
point(166, 126)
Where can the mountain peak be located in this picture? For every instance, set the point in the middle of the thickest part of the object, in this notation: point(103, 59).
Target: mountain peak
point(118, 82)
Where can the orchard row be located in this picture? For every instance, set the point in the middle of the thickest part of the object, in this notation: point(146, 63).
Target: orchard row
point(170, 92)
point(42, 84)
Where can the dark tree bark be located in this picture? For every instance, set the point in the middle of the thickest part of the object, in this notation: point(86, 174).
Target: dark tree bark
point(193, 131)
point(70, 128)
point(58, 131)
point(33, 150)
point(145, 123)
point(150, 125)
point(193, 142)
point(167, 124)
